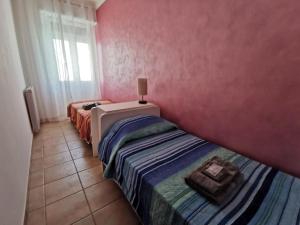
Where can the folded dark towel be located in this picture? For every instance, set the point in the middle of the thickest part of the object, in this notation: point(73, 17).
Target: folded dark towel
point(216, 179)
point(90, 106)
point(221, 197)
point(217, 183)
point(228, 169)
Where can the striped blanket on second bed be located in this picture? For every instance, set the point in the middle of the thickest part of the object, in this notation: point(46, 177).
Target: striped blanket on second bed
point(149, 157)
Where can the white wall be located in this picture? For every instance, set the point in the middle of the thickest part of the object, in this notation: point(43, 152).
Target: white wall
point(15, 132)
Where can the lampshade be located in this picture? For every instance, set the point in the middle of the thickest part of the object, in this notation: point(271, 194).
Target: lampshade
point(142, 86)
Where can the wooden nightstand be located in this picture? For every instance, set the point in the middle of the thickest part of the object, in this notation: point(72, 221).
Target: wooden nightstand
point(104, 116)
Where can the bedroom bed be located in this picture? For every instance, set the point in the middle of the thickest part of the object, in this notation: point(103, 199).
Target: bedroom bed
point(149, 157)
point(81, 119)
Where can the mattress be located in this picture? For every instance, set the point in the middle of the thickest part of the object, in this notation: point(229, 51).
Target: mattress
point(150, 163)
point(81, 118)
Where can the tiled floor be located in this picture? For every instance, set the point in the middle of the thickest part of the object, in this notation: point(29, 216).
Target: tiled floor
point(66, 185)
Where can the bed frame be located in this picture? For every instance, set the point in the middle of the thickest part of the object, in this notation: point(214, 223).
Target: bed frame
point(104, 116)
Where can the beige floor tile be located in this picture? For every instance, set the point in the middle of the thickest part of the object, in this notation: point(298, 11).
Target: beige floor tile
point(55, 149)
point(65, 122)
point(76, 144)
point(57, 159)
point(91, 176)
point(54, 141)
point(70, 131)
point(55, 124)
point(68, 127)
point(50, 125)
point(59, 171)
point(36, 179)
point(37, 150)
point(37, 144)
point(53, 133)
point(49, 128)
point(37, 217)
point(86, 163)
point(36, 165)
point(72, 137)
point(37, 136)
point(67, 210)
point(81, 152)
point(36, 198)
point(62, 188)
point(37, 155)
point(98, 196)
point(48, 131)
point(37, 140)
point(85, 221)
point(117, 213)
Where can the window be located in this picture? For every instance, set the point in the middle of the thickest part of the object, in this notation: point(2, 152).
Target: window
point(66, 66)
point(65, 70)
point(84, 61)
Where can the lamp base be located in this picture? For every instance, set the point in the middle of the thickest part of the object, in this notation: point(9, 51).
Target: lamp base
point(142, 102)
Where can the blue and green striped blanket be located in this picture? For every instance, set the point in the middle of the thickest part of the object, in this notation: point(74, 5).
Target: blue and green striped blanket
point(149, 158)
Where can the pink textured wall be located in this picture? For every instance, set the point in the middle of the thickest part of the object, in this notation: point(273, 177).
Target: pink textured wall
point(228, 71)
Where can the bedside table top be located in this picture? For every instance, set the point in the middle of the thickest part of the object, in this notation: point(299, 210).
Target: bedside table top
point(104, 116)
point(124, 105)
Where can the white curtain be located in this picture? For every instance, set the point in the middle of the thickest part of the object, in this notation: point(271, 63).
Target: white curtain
point(58, 52)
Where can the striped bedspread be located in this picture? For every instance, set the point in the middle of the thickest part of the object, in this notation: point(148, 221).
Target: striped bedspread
point(151, 168)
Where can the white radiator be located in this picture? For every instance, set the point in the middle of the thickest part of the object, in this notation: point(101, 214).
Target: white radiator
point(32, 109)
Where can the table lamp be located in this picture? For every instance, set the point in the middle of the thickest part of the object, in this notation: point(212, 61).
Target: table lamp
point(142, 89)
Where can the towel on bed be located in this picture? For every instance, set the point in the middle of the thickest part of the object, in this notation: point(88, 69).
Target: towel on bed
point(216, 179)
